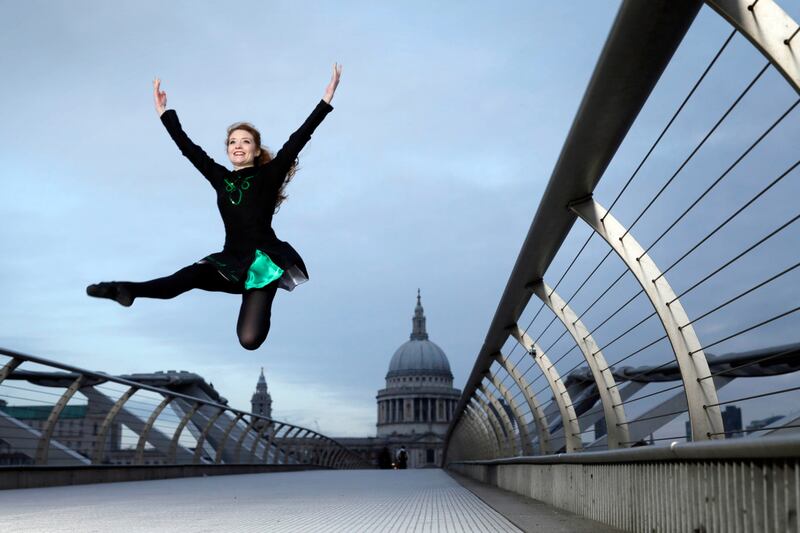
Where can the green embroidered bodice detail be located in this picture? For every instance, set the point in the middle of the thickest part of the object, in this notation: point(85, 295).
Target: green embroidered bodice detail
point(236, 188)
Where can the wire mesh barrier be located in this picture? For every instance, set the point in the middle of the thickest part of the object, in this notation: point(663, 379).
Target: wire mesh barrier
point(53, 414)
point(669, 316)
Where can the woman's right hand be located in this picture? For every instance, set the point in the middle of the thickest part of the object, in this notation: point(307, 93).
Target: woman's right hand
point(159, 97)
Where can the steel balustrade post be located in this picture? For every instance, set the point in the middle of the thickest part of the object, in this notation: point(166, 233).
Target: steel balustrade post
point(616, 422)
point(259, 438)
point(9, 367)
point(502, 417)
point(471, 436)
point(331, 453)
point(526, 445)
point(487, 446)
point(289, 450)
point(477, 434)
point(283, 442)
point(701, 394)
point(319, 450)
point(140, 445)
point(491, 446)
point(505, 449)
point(173, 447)
point(482, 413)
point(237, 454)
point(43, 448)
point(562, 399)
point(339, 459)
point(324, 452)
point(198, 451)
point(767, 27)
point(533, 403)
point(275, 427)
point(100, 438)
point(296, 443)
point(224, 440)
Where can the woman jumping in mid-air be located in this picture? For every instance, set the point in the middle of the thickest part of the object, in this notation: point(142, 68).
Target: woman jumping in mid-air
point(253, 262)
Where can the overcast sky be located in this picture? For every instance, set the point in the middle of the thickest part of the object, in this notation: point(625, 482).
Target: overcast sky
point(447, 123)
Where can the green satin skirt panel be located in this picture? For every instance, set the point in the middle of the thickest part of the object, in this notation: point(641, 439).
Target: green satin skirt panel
point(262, 272)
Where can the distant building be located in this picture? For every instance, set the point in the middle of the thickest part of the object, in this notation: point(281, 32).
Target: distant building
point(76, 428)
point(261, 401)
point(755, 425)
point(417, 404)
point(732, 422)
point(600, 428)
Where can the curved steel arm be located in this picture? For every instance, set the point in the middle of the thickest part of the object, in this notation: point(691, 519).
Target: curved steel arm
point(100, 439)
point(259, 438)
point(482, 443)
point(701, 394)
point(198, 450)
point(9, 368)
point(238, 453)
point(49, 426)
point(500, 413)
point(525, 444)
point(572, 433)
point(613, 409)
point(139, 459)
point(533, 403)
point(173, 446)
point(482, 422)
point(224, 439)
point(274, 428)
point(769, 28)
point(502, 443)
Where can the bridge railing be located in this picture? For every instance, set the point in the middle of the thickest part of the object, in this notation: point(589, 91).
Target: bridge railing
point(55, 414)
point(634, 300)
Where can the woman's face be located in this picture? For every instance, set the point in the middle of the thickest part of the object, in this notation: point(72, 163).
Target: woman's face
point(242, 149)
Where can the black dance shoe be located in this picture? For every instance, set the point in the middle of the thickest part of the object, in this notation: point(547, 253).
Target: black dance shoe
point(113, 291)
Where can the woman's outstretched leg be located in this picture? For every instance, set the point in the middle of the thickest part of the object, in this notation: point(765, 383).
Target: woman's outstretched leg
point(254, 316)
point(197, 276)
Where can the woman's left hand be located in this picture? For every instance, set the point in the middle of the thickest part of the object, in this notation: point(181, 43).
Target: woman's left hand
point(331, 88)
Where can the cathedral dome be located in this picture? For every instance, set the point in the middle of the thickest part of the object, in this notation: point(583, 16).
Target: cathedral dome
point(419, 356)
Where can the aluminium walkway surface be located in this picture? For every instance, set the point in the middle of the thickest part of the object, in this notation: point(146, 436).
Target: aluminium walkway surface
point(318, 501)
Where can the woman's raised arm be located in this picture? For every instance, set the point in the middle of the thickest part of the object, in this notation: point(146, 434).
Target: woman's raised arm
point(159, 97)
point(329, 90)
point(290, 150)
point(210, 169)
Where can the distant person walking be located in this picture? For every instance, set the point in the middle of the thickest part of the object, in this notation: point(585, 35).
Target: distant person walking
point(253, 262)
point(402, 458)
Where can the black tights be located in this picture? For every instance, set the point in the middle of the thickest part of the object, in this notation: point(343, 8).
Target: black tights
point(254, 314)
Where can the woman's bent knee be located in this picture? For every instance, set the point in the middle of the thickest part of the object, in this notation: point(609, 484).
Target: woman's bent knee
point(250, 341)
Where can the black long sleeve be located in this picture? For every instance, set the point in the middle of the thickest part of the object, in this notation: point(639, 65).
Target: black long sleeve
point(209, 168)
point(297, 140)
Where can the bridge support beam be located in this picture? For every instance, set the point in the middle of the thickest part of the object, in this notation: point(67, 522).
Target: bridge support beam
point(526, 448)
point(613, 409)
point(701, 395)
point(530, 397)
point(561, 398)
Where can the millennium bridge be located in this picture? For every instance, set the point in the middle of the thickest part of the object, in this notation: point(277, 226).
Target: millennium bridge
point(654, 297)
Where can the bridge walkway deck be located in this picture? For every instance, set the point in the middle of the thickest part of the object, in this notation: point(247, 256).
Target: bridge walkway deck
point(318, 501)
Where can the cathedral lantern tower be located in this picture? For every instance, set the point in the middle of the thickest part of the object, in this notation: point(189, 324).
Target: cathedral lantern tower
point(418, 402)
point(261, 401)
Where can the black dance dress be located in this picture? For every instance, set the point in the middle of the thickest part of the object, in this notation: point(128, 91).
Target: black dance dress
point(252, 256)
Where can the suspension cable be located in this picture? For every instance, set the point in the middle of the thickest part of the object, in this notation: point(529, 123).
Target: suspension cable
point(736, 258)
point(742, 294)
point(732, 216)
point(762, 323)
point(697, 148)
point(722, 176)
point(674, 116)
